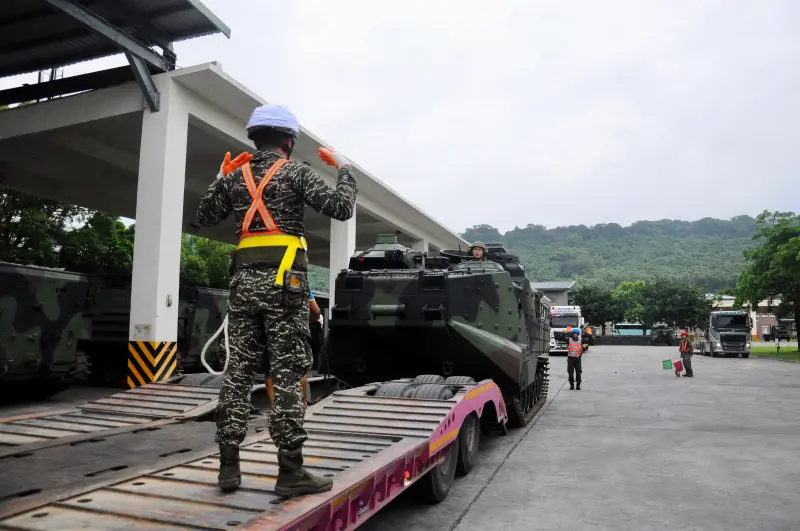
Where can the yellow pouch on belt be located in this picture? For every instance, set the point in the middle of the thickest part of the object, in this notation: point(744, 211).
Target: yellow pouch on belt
point(292, 244)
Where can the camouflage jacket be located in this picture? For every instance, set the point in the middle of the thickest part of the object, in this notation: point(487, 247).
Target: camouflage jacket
point(293, 186)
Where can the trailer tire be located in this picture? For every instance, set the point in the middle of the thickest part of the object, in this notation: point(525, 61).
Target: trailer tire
point(435, 485)
point(469, 437)
point(429, 379)
point(460, 380)
point(433, 392)
point(395, 390)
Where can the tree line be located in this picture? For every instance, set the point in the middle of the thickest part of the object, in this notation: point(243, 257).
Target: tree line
point(707, 253)
point(48, 233)
point(645, 301)
point(54, 234)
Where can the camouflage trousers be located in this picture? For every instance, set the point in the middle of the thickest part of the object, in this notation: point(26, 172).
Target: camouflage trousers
point(259, 322)
point(686, 357)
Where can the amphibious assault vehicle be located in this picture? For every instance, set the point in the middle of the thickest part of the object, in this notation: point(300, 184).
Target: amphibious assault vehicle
point(43, 316)
point(448, 318)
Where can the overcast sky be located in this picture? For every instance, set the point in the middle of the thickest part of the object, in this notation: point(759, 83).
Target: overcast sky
point(523, 111)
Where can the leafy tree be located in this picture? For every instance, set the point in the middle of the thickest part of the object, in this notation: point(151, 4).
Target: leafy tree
point(597, 305)
point(102, 245)
point(773, 268)
point(638, 302)
point(32, 230)
point(679, 304)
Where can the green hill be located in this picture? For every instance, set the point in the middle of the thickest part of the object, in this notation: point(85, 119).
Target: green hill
point(706, 253)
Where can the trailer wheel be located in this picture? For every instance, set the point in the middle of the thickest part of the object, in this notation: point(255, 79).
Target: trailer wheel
point(433, 392)
point(429, 379)
point(460, 380)
point(435, 485)
point(468, 441)
point(395, 390)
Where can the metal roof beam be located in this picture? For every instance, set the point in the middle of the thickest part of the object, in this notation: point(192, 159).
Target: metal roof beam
point(125, 42)
point(151, 93)
point(136, 52)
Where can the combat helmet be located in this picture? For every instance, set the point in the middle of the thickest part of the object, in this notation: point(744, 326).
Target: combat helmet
point(478, 244)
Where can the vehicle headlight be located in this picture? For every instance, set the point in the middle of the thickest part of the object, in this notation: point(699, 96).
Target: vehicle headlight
point(719, 345)
point(747, 345)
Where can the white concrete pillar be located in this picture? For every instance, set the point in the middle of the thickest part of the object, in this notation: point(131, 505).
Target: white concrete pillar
point(420, 245)
point(342, 247)
point(157, 247)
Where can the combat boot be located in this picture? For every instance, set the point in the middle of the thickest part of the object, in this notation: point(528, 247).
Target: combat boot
point(571, 387)
point(230, 477)
point(293, 479)
point(578, 387)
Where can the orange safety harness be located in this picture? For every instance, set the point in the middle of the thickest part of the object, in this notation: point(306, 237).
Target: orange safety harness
point(272, 236)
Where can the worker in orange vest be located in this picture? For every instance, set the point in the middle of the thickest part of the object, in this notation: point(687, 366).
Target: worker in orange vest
point(685, 348)
point(574, 353)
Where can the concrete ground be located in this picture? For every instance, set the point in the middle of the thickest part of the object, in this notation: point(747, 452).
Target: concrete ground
point(638, 449)
point(635, 449)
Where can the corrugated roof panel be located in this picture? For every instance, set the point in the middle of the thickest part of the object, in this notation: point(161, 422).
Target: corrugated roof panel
point(35, 36)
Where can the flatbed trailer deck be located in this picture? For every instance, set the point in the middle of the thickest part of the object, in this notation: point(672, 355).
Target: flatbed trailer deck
point(375, 448)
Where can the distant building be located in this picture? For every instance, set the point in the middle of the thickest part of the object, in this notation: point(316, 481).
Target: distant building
point(560, 293)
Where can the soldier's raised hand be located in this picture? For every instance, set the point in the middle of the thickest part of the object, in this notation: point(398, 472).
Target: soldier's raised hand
point(229, 165)
point(333, 158)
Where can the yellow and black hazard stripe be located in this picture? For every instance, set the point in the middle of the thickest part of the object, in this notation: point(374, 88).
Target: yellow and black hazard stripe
point(151, 361)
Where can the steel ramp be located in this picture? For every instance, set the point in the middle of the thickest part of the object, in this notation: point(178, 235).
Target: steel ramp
point(373, 448)
point(139, 408)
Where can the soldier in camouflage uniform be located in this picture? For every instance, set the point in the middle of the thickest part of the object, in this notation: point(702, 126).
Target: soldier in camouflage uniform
point(478, 251)
point(268, 301)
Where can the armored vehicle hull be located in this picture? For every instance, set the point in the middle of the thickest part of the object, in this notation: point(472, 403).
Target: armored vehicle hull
point(398, 314)
point(42, 318)
point(200, 313)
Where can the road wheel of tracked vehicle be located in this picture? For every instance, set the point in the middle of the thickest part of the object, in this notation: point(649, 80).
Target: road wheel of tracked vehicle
point(523, 407)
point(435, 485)
point(460, 380)
point(433, 392)
point(429, 379)
point(395, 390)
point(468, 441)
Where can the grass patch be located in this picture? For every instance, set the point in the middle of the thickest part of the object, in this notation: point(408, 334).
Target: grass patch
point(788, 352)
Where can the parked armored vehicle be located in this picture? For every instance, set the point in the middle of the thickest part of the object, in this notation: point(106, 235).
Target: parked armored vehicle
point(200, 314)
point(662, 334)
point(399, 313)
point(43, 315)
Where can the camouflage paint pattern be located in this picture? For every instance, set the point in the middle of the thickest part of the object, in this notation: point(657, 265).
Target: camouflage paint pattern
point(292, 187)
point(396, 317)
point(42, 318)
point(258, 322)
point(200, 314)
point(258, 318)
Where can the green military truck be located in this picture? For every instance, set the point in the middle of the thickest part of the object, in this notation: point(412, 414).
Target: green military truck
point(44, 313)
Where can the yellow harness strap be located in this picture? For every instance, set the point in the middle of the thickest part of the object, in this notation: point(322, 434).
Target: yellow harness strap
point(292, 244)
